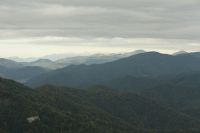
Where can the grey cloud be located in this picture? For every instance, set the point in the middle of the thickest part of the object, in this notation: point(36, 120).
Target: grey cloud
point(100, 18)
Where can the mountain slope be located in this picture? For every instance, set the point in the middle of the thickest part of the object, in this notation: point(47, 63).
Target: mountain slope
point(150, 64)
point(134, 108)
point(19, 104)
point(133, 84)
point(182, 91)
point(21, 74)
point(128, 107)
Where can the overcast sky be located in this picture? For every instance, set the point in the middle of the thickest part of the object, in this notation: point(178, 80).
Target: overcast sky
point(41, 27)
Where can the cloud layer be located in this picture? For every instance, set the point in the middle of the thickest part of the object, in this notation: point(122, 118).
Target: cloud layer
point(128, 18)
point(109, 19)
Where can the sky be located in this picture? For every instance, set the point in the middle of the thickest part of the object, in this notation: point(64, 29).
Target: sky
point(33, 28)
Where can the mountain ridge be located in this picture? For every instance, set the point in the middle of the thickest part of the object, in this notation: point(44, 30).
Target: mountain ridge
point(150, 64)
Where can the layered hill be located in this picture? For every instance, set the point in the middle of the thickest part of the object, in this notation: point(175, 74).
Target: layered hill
point(150, 65)
point(17, 71)
point(9, 63)
point(44, 63)
point(21, 74)
point(96, 59)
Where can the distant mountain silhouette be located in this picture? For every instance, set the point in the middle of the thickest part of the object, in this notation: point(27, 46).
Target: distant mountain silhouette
point(180, 52)
point(9, 63)
point(63, 62)
point(18, 59)
point(44, 63)
point(150, 65)
point(96, 59)
point(195, 54)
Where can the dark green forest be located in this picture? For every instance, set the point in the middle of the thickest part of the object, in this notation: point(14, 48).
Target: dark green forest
point(94, 110)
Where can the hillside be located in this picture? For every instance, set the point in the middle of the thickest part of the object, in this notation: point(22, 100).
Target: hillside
point(133, 84)
point(135, 108)
point(18, 103)
point(181, 92)
point(96, 110)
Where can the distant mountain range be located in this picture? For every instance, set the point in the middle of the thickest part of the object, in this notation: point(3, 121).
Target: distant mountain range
point(44, 63)
point(63, 62)
point(19, 72)
point(150, 65)
point(18, 59)
point(195, 54)
point(96, 59)
point(133, 63)
point(23, 71)
point(180, 53)
point(144, 92)
point(9, 63)
point(57, 63)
